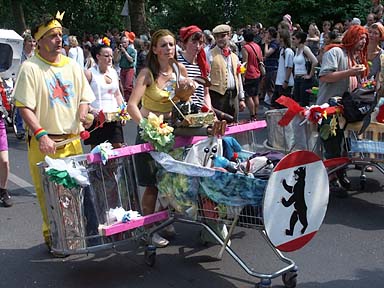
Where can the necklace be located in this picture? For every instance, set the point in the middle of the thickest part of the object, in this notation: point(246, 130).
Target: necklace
point(164, 73)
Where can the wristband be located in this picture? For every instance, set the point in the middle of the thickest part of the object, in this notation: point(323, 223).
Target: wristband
point(37, 131)
point(41, 132)
point(285, 81)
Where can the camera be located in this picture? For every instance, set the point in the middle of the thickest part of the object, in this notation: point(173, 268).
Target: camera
point(120, 46)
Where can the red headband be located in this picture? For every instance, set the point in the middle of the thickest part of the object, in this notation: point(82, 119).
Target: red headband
point(187, 32)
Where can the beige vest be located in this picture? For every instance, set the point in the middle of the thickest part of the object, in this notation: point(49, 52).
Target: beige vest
point(219, 73)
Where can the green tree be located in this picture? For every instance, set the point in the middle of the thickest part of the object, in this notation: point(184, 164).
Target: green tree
point(96, 16)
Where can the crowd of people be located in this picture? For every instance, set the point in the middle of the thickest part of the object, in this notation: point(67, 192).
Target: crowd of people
point(73, 78)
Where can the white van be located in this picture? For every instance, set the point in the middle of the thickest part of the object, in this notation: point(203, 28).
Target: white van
point(11, 48)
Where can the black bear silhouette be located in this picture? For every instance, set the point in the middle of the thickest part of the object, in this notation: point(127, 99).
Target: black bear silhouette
point(298, 200)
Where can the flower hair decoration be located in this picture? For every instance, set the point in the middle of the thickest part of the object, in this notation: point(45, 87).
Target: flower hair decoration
point(106, 41)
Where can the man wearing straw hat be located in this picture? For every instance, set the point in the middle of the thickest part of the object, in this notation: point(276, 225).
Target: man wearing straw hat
point(52, 94)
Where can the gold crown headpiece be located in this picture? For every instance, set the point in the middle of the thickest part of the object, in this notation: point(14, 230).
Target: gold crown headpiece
point(54, 23)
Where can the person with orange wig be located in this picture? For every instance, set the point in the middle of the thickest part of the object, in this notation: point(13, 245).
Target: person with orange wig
point(343, 67)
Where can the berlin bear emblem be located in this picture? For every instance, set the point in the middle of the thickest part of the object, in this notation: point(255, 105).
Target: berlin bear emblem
point(297, 199)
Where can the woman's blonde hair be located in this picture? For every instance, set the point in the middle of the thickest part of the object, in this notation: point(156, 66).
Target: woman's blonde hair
point(73, 41)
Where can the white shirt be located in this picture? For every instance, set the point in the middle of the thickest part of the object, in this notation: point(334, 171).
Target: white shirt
point(77, 54)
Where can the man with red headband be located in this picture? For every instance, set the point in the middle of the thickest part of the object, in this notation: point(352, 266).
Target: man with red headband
point(53, 95)
point(226, 91)
point(343, 65)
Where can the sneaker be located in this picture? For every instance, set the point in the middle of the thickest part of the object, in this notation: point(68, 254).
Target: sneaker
point(159, 241)
point(344, 180)
point(5, 198)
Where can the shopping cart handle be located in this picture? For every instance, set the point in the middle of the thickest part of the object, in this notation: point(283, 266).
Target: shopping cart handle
point(328, 163)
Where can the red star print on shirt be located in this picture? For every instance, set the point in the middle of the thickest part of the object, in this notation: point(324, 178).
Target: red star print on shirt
point(60, 91)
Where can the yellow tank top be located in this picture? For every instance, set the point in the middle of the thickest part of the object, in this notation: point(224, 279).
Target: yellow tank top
point(156, 99)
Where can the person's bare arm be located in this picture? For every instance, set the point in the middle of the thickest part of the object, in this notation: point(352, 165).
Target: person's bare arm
point(137, 93)
point(340, 75)
point(46, 144)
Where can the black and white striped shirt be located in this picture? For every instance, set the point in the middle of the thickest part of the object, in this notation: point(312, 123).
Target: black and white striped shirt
point(193, 70)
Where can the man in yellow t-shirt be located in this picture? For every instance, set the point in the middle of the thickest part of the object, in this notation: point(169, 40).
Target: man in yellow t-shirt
point(53, 95)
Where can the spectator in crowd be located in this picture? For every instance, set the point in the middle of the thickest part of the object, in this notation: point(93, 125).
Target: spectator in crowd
point(377, 9)
point(271, 61)
point(283, 25)
point(326, 29)
point(151, 94)
point(252, 55)
point(54, 103)
point(284, 79)
point(343, 64)
point(76, 52)
point(256, 29)
point(370, 20)
point(304, 69)
point(142, 47)
point(287, 18)
point(339, 30)
point(356, 21)
point(347, 24)
point(313, 39)
point(238, 38)
point(195, 61)
point(374, 50)
point(226, 91)
point(329, 38)
point(5, 198)
point(28, 51)
point(209, 41)
point(104, 82)
point(125, 56)
point(89, 61)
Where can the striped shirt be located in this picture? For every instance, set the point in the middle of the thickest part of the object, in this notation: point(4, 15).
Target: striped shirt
point(193, 70)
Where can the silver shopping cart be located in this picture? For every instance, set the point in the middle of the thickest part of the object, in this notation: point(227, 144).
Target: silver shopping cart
point(221, 202)
point(79, 217)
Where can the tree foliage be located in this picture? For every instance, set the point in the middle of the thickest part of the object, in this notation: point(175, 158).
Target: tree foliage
point(96, 16)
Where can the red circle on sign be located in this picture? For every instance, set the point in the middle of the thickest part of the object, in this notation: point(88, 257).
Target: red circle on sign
point(295, 201)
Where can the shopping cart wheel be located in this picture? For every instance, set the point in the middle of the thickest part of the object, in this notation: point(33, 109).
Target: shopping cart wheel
point(363, 181)
point(150, 255)
point(290, 279)
point(264, 283)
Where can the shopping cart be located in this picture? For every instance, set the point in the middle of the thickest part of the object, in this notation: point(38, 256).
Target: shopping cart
point(79, 217)
point(79, 221)
point(366, 149)
point(211, 199)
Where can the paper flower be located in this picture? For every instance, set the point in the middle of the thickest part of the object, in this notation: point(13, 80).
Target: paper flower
point(106, 41)
point(368, 84)
point(241, 68)
point(105, 149)
point(62, 178)
point(156, 132)
point(68, 174)
point(123, 113)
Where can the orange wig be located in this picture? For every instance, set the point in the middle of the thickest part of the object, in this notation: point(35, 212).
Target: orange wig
point(350, 39)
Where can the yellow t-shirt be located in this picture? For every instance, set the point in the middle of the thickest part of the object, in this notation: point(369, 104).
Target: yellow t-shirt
point(54, 91)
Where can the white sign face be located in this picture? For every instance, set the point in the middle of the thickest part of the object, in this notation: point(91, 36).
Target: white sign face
point(295, 200)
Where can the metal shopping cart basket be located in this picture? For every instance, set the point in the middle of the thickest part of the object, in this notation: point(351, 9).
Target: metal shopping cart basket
point(366, 149)
point(211, 198)
point(79, 216)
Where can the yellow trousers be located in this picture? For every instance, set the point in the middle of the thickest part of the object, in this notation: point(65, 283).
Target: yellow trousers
point(35, 156)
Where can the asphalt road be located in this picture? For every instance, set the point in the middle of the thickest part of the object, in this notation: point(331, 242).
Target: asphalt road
point(346, 252)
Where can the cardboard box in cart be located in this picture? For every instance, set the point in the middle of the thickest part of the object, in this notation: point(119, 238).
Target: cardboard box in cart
point(11, 49)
